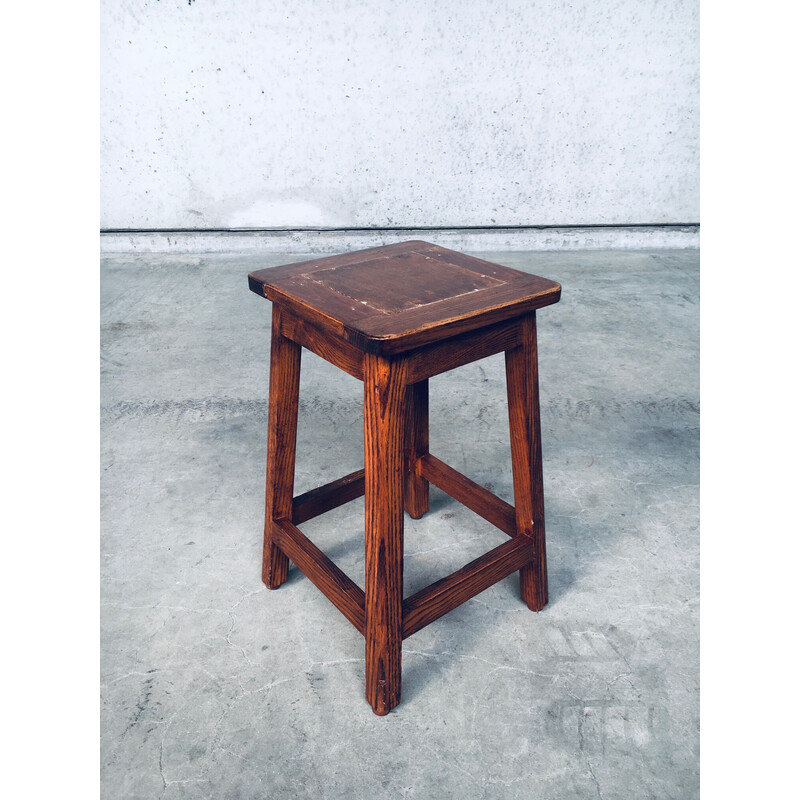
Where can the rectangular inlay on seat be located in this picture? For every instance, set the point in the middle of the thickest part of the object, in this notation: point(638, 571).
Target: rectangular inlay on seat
point(393, 317)
point(406, 281)
point(390, 299)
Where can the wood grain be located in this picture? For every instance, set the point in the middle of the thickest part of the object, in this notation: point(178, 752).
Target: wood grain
point(408, 280)
point(324, 498)
point(394, 317)
point(384, 410)
point(393, 299)
point(332, 348)
point(284, 390)
point(397, 333)
point(417, 493)
point(457, 351)
point(437, 599)
point(522, 377)
point(261, 278)
point(468, 493)
point(322, 572)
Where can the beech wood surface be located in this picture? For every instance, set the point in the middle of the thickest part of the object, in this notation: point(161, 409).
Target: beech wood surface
point(384, 428)
point(284, 390)
point(322, 572)
point(522, 377)
point(437, 599)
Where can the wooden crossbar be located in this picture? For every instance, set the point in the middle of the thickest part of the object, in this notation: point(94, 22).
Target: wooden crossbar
point(326, 345)
point(321, 571)
point(501, 514)
point(324, 498)
point(437, 599)
point(457, 351)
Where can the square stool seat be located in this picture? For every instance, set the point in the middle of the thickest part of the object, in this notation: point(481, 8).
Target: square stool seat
point(394, 298)
point(393, 317)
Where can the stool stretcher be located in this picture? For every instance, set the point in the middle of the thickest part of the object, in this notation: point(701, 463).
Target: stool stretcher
point(321, 571)
point(325, 498)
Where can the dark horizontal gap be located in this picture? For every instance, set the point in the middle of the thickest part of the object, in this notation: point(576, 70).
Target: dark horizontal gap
point(407, 228)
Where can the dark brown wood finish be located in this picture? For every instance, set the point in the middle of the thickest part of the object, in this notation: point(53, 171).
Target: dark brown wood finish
point(416, 446)
point(384, 427)
point(522, 376)
point(394, 293)
point(286, 271)
point(393, 299)
point(393, 317)
point(284, 390)
point(390, 334)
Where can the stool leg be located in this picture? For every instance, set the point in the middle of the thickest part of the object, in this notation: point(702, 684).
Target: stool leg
point(522, 377)
point(416, 493)
point(384, 412)
point(284, 390)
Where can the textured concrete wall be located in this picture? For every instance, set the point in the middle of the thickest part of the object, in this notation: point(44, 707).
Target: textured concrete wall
point(339, 113)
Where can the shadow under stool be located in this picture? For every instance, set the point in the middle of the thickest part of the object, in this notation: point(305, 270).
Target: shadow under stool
point(393, 317)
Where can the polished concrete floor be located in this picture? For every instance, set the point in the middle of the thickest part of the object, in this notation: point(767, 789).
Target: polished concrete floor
point(215, 687)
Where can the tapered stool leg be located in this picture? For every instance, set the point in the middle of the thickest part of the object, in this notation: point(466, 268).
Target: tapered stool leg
point(416, 494)
point(384, 413)
point(522, 377)
point(284, 390)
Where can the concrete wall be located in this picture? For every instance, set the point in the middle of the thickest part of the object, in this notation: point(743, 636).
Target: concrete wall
point(338, 113)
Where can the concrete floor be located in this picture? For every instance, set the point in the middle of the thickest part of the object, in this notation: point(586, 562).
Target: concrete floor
point(214, 687)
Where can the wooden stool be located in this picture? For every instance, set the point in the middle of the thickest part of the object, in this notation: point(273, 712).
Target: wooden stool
point(393, 317)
